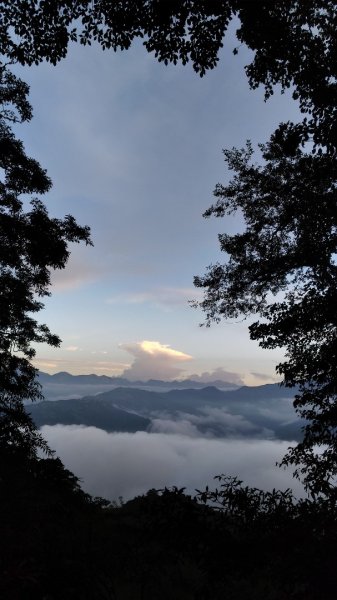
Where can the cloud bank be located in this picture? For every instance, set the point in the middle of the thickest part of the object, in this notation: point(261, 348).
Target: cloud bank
point(123, 464)
point(218, 374)
point(211, 422)
point(153, 360)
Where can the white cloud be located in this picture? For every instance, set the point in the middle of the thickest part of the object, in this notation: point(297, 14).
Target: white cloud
point(180, 426)
point(234, 425)
point(153, 360)
point(265, 378)
point(218, 374)
point(208, 423)
point(128, 464)
point(72, 348)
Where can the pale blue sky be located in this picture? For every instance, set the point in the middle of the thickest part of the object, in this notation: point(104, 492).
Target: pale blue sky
point(134, 150)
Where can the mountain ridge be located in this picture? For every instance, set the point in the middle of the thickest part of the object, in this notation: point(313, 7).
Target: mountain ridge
point(262, 411)
point(63, 377)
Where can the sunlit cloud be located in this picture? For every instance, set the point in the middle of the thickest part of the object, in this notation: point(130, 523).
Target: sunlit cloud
point(45, 364)
point(109, 368)
point(156, 348)
point(72, 348)
point(153, 360)
point(81, 367)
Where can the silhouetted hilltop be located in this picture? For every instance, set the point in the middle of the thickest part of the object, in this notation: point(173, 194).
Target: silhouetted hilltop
point(88, 411)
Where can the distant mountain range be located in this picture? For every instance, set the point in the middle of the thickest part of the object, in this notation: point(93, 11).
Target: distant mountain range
point(63, 385)
point(66, 378)
point(259, 412)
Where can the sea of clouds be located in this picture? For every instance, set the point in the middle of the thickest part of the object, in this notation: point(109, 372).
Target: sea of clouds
point(128, 464)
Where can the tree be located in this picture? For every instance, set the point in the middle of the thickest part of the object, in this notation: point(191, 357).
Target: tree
point(294, 46)
point(41, 502)
point(31, 244)
point(283, 269)
point(287, 253)
point(293, 41)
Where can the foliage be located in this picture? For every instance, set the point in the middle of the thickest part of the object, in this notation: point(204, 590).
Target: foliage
point(288, 204)
point(245, 505)
point(293, 41)
point(58, 543)
point(282, 268)
point(46, 522)
point(34, 493)
point(31, 245)
point(43, 509)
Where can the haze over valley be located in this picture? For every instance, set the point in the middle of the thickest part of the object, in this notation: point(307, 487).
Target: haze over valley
point(124, 437)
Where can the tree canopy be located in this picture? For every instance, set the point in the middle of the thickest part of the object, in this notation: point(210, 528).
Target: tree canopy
point(293, 42)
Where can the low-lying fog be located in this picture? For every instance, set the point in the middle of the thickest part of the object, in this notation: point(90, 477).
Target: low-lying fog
point(128, 464)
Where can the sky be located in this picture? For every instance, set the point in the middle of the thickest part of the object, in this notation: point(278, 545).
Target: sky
point(134, 150)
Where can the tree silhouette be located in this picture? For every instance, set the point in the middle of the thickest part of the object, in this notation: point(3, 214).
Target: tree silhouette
point(293, 42)
point(282, 268)
point(54, 542)
point(294, 46)
point(31, 245)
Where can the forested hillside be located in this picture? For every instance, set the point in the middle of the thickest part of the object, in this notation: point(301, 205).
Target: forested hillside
point(57, 542)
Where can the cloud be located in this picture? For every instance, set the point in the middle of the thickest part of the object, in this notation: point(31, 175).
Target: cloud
point(218, 374)
point(179, 426)
point(45, 364)
point(210, 422)
point(80, 366)
point(125, 464)
point(231, 425)
point(265, 377)
point(72, 348)
point(161, 297)
point(153, 360)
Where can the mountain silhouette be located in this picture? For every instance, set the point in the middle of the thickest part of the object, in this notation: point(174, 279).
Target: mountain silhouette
point(88, 411)
point(262, 411)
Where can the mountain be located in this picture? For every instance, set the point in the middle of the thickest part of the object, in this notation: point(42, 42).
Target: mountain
point(264, 411)
point(64, 377)
point(90, 412)
point(64, 385)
